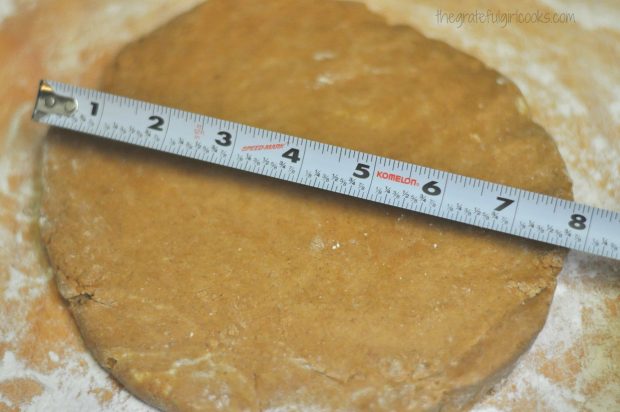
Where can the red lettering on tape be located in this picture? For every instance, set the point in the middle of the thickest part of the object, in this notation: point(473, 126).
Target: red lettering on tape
point(262, 147)
point(397, 178)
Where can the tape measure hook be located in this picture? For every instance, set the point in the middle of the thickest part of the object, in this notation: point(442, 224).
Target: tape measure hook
point(50, 102)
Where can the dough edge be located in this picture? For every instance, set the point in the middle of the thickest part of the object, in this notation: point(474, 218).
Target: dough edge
point(471, 391)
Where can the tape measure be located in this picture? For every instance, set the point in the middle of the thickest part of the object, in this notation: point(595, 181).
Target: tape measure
point(363, 175)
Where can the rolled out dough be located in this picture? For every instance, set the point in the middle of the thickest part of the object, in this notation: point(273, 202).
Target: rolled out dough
point(204, 288)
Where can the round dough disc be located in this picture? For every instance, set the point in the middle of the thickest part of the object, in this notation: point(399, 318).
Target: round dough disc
point(202, 288)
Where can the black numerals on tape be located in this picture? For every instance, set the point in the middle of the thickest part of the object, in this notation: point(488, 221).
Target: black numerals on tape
point(292, 154)
point(94, 108)
point(361, 171)
point(431, 188)
point(577, 221)
point(505, 203)
point(225, 139)
point(159, 122)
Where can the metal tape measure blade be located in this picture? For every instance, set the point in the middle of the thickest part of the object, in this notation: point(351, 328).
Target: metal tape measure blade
point(363, 175)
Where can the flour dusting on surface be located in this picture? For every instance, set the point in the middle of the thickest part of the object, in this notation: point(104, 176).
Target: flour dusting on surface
point(570, 367)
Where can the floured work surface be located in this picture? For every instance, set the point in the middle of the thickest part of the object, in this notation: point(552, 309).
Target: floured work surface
point(201, 287)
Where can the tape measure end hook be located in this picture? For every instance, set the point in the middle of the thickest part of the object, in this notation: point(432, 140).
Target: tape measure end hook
point(50, 102)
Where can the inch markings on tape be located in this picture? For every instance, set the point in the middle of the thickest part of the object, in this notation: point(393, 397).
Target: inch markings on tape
point(363, 175)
